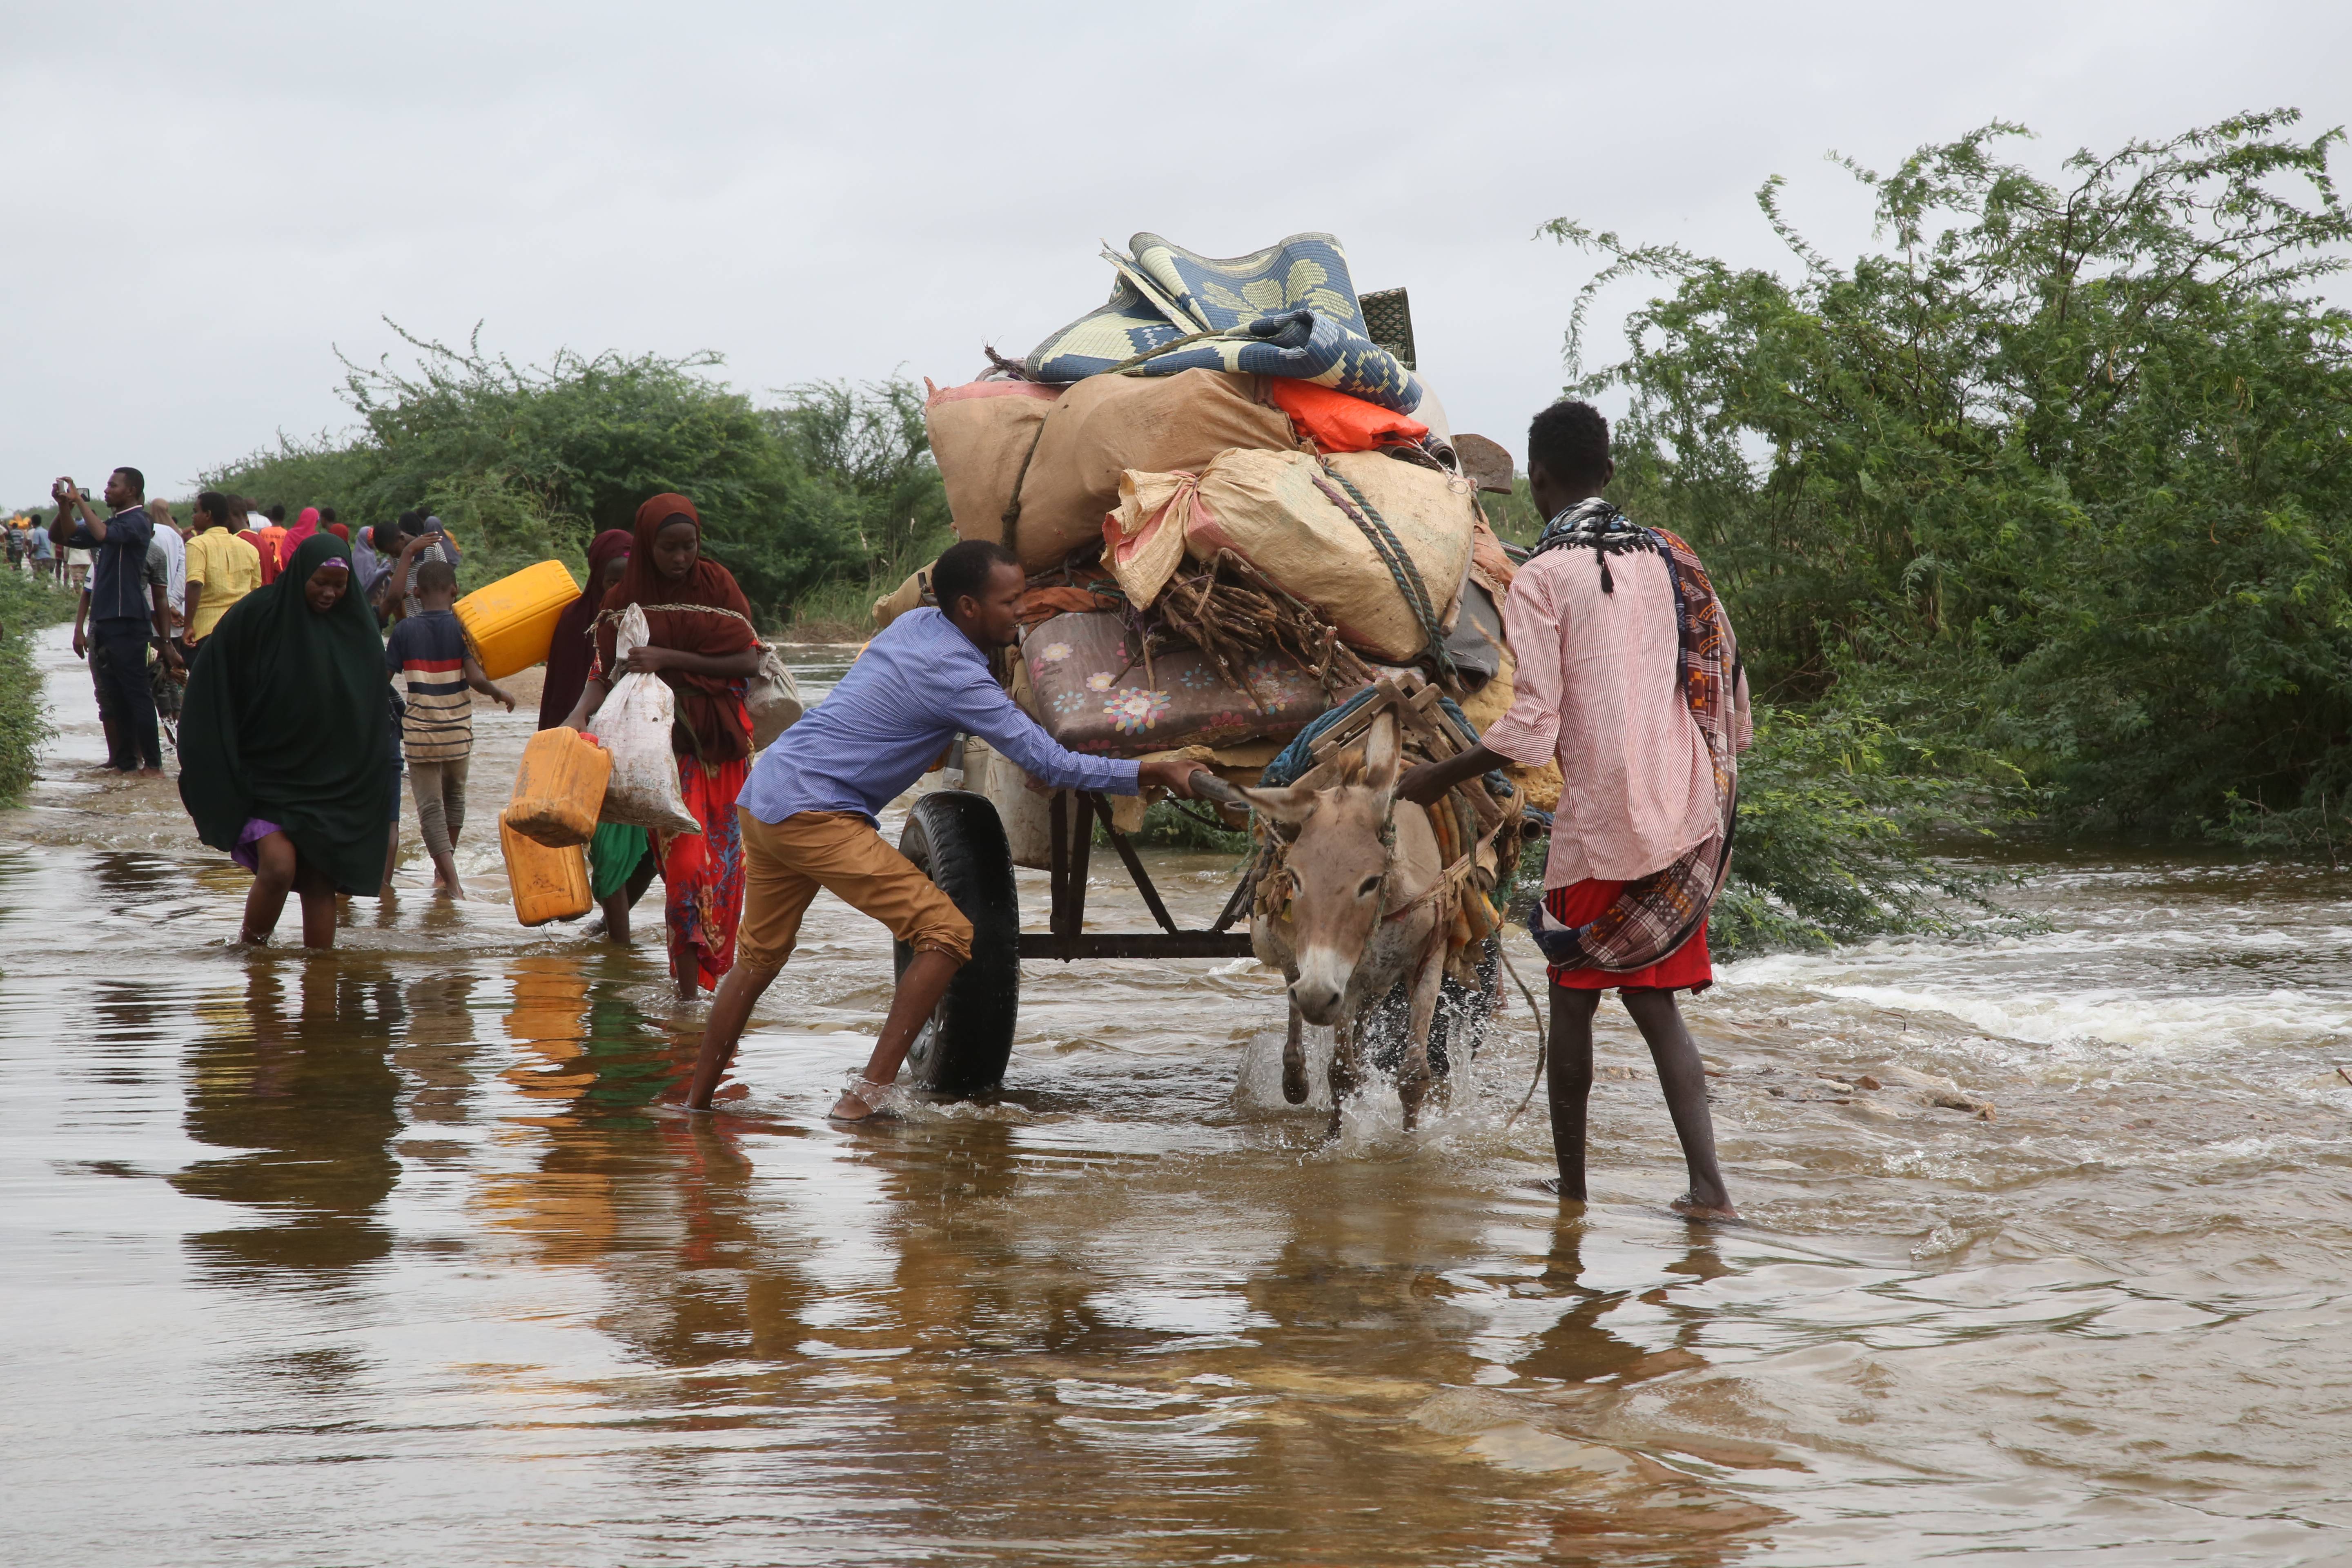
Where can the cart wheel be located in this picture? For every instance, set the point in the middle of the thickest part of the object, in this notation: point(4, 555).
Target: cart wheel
point(955, 838)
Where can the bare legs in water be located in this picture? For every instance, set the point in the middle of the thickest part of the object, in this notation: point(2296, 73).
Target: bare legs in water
point(1681, 1078)
point(279, 872)
point(917, 998)
point(617, 906)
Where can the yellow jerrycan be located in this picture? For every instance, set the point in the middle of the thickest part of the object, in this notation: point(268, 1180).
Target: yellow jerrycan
point(559, 788)
point(511, 623)
point(547, 884)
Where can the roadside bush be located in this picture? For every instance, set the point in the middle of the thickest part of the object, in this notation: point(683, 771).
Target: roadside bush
point(528, 462)
point(1837, 810)
point(26, 606)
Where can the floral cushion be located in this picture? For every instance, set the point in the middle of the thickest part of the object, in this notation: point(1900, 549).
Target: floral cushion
point(1091, 699)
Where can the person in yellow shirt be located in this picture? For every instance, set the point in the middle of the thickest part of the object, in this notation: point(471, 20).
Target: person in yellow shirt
point(222, 568)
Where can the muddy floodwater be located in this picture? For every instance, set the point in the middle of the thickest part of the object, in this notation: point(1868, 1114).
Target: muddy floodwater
point(397, 1255)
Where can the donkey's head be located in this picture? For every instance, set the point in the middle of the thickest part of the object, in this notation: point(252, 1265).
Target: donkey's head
point(1337, 819)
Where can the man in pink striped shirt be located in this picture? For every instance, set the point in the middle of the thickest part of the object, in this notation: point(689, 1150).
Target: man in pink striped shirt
point(1599, 688)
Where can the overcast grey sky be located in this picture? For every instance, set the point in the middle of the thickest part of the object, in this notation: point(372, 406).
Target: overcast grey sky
point(204, 201)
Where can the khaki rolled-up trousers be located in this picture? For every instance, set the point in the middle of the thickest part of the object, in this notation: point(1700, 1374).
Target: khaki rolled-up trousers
point(784, 863)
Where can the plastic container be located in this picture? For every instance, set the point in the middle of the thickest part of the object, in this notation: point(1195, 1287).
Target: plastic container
point(512, 621)
point(559, 788)
point(547, 884)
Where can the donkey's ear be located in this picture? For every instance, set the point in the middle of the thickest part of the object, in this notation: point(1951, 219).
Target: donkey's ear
point(1383, 755)
point(1290, 806)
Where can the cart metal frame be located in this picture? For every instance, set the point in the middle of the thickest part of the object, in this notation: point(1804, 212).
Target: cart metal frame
point(1066, 939)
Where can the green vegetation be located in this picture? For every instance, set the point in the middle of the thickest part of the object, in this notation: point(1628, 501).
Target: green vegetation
point(26, 606)
point(822, 499)
point(1836, 812)
point(2058, 476)
point(1173, 825)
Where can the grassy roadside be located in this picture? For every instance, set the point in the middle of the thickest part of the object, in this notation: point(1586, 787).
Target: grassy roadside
point(25, 608)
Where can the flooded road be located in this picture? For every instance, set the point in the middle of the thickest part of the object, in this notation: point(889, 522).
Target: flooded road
point(396, 1255)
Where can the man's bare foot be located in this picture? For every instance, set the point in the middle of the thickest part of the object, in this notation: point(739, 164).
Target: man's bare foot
point(1690, 1208)
point(151, 773)
point(1549, 1187)
point(862, 1101)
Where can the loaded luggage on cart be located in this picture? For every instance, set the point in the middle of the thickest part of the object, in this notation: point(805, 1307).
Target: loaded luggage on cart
point(1247, 526)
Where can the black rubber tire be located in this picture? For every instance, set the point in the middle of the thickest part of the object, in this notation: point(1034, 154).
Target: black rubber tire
point(956, 840)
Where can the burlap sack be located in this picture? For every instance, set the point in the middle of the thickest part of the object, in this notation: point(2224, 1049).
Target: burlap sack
point(980, 434)
point(1105, 425)
point(909, 594)
point(1143, 535)
point(1267, 509)
point(1539, 786)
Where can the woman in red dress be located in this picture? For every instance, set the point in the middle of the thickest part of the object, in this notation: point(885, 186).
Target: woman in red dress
point(702, 645)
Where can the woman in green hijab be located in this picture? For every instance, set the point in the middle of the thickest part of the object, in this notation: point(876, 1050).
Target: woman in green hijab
point(286, 743)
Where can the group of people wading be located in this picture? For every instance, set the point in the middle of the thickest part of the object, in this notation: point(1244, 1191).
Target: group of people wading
point(290, 764)
point(291, 759)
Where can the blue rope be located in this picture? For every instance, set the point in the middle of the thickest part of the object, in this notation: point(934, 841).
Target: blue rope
point(1296, 758)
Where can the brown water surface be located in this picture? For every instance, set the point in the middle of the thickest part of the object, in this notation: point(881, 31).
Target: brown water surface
point(396, 1255)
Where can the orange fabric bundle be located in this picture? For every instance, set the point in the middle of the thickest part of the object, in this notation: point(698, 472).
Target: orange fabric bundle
point(1336, 422)
point(1045, 604)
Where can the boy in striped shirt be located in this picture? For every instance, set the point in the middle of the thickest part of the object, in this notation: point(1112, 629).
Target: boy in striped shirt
point(436, 731)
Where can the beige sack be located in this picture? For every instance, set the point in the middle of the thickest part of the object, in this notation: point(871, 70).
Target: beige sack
point(1143, 535)
point(907, 595)
point(1267, 509)
point(1105, 425)
point(980, 434)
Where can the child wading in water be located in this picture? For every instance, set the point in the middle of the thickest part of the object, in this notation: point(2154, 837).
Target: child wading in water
point(437, 731)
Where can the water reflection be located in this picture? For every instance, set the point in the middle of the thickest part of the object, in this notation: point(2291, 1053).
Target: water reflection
point(298, 1084)
point(1126, 1313)
point(1580, 1346)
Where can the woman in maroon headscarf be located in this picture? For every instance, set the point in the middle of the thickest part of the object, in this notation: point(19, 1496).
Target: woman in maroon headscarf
point(702, 645)
point(619, 869)
point(571, 654)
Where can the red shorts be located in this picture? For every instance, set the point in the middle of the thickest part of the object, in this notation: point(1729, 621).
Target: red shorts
point(1687, 968)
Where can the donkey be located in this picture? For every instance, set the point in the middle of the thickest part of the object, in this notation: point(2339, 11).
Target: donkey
point(1361, 912)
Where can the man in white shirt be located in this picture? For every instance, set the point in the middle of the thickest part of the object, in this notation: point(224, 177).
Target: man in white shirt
point(175, 557)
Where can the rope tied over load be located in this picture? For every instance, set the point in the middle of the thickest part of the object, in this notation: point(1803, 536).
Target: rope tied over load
point(1401, 570)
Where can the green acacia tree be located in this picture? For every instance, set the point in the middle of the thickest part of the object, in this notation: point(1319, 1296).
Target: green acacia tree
point(873, 439)
point(2061, 469)
point(528, 461)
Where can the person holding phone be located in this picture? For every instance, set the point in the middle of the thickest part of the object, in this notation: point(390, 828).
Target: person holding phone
point(124, 620)
point(420, 539)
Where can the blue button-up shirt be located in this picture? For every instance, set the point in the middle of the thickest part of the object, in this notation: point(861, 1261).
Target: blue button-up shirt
point(914, 689)
point(117, 582)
